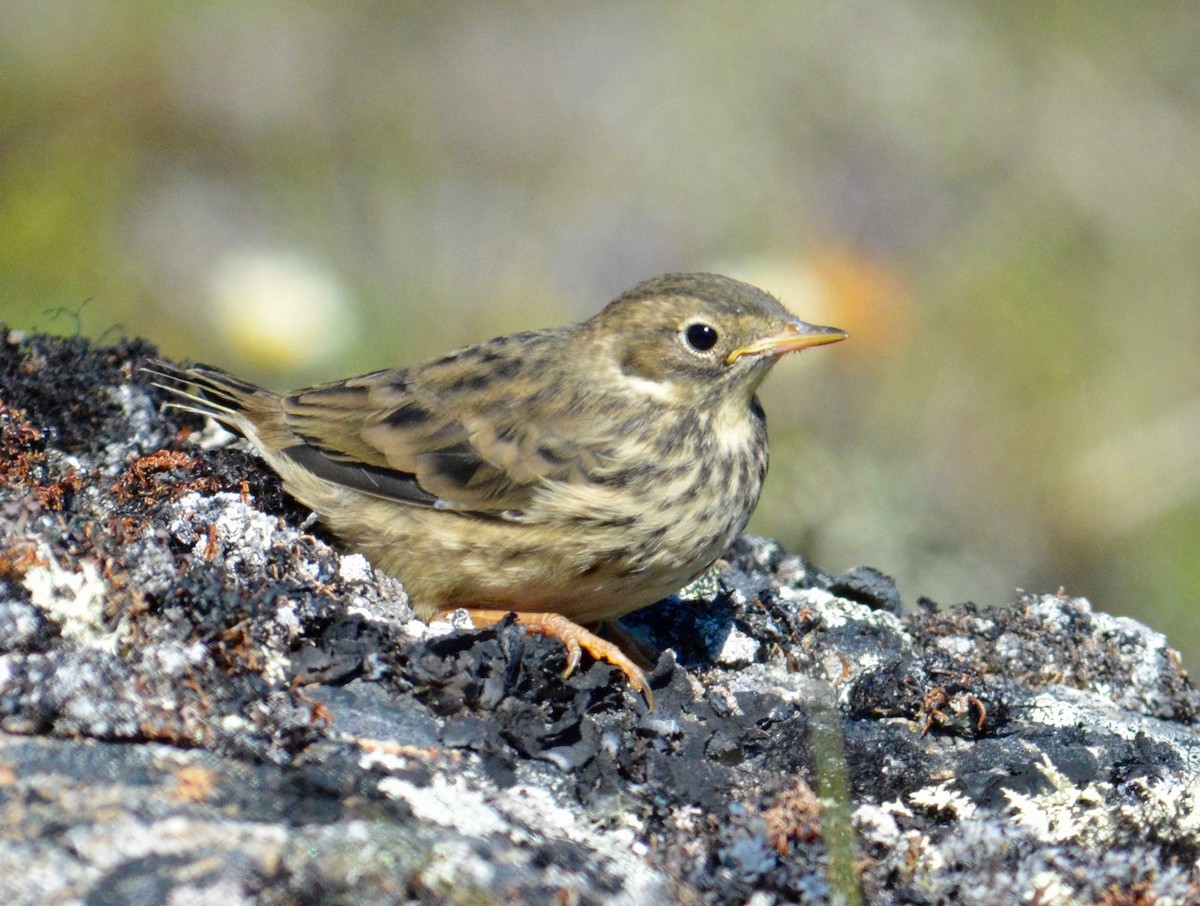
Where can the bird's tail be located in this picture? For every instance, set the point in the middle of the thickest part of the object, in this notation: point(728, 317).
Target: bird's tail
point(205, 390)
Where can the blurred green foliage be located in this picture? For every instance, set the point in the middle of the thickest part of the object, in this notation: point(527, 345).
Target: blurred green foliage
point(1000, 201)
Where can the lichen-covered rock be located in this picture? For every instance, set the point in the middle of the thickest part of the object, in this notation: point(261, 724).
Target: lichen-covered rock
point(202, 698)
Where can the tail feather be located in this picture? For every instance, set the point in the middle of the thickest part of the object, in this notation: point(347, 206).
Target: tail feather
point(211, 392)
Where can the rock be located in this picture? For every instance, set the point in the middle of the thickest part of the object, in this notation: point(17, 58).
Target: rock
point(202, 698)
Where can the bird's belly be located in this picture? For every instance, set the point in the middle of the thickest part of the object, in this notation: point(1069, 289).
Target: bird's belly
point(575, 563)
point(587, 573)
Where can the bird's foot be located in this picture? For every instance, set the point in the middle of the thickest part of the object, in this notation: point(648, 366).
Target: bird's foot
point(576, 638)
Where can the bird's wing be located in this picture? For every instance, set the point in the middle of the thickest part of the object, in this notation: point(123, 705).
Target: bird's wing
point(427, 437)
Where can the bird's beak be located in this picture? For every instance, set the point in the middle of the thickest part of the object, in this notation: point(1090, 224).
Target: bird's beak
point(795, 336)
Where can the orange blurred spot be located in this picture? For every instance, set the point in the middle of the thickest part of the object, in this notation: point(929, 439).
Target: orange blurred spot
point(865, 297)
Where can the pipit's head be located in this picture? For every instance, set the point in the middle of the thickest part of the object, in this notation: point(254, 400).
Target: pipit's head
point(687, 338)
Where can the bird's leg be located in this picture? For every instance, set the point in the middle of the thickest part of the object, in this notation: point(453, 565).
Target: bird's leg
point(576, 638)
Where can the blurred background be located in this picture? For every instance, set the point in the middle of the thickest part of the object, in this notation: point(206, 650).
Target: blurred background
point(1001, 202)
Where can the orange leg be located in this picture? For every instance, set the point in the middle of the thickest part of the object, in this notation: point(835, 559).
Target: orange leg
point(575, 637)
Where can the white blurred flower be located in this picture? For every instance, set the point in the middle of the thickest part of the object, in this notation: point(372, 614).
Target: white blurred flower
point(279, 310)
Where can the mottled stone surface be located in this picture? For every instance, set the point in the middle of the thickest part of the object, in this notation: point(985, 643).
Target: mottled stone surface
point(202, 699)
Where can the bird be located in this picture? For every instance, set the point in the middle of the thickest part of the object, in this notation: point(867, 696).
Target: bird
point(567, 476)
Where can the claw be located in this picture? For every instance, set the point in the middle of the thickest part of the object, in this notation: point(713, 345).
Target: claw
point(574, 652)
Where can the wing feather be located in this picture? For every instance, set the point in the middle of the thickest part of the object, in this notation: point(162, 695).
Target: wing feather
point(443, 434)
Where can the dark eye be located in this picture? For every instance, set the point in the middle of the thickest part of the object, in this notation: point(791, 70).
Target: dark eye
point(701, 337)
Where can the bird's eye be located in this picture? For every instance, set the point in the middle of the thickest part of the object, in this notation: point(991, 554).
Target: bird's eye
point(701, 337)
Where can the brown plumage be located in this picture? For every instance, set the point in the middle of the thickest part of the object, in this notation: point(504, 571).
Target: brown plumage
point(579, 472)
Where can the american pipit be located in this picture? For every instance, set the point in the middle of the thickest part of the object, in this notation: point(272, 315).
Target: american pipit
point(568, 475)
